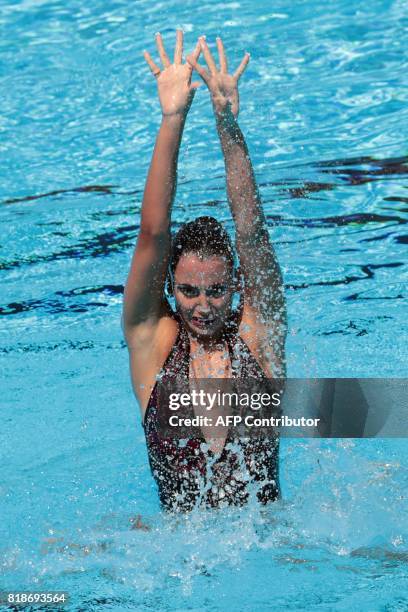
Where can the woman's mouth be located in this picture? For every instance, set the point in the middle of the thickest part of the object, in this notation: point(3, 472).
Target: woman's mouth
point(203, 323)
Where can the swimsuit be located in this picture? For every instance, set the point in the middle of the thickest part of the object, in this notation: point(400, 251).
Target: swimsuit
point(187, 472)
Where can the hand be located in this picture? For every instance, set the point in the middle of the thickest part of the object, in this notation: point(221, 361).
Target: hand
point(223, 86)
point(176, 92)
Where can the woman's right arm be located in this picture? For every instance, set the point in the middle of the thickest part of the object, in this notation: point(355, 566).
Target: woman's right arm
point(144, 302)
point(144, 288)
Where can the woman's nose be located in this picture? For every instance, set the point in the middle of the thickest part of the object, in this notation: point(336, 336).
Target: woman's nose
point(203, 303)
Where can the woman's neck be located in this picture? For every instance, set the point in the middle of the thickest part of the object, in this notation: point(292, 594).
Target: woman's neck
point(209, 345)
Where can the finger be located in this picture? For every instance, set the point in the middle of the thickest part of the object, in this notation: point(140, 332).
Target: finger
point(163, 55)
point(201, 71)
point(207, 55)
point(196, 53)
point(153, 67)
point(221, 55)
point(242, 66)
point(178, 52)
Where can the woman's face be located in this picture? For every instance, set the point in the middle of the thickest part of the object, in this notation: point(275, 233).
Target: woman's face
point(203, 288)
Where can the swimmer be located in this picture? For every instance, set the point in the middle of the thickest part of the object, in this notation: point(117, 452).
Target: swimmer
point(204, 336)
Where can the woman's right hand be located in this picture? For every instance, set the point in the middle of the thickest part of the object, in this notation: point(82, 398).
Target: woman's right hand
point(176, 91)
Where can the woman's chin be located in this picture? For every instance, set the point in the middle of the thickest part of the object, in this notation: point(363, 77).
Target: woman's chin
point(204, 329)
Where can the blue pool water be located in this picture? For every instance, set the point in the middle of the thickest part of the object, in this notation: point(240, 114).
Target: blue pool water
point(323, 108)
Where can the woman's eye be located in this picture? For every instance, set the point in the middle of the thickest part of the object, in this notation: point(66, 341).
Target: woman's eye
point(216, 291)
point(189, 292)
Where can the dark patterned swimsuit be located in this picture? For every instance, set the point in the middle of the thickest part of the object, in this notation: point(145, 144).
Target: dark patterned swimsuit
point(186, 471)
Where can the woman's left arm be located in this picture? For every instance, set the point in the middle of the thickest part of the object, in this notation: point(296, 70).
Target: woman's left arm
point(263, 324)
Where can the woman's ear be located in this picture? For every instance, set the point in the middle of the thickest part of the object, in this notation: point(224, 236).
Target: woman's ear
point(169, 285)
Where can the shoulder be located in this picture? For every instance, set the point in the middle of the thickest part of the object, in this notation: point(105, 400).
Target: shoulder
point(265, 340)
point(149, 346)
point(147, 333)
point(151, 335)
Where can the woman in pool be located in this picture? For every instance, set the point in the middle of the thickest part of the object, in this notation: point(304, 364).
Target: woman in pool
point(204, 337)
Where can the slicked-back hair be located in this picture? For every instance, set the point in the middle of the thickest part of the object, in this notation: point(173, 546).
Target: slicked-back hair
point(205, 236)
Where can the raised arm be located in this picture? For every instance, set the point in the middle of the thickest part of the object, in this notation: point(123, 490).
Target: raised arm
point(263, 324)
point(143, 301)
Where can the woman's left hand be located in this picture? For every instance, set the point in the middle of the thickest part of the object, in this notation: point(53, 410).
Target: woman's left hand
point(223, 86)
point(176, 91)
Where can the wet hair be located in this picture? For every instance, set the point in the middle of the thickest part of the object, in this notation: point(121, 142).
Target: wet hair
point(205, 236)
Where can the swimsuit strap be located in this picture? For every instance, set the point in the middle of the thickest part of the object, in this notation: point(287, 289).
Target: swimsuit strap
point(243, 363)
